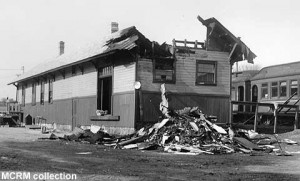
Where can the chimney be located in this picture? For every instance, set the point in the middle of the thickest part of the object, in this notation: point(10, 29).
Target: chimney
point(114, 27)
point(61, 47)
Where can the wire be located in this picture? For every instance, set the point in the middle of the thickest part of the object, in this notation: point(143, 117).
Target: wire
point(10, 69)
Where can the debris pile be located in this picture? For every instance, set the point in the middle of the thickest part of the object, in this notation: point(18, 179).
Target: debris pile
point(186, 131)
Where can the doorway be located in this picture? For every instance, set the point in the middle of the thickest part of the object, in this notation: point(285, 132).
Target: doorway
point(104, 94)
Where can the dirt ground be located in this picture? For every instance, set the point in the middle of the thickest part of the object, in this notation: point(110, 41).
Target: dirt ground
point(21, 150)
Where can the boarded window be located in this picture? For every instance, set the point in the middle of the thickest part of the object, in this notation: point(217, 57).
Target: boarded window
point(283, 89)
point(206, 72)
point(50, 91)
point(164, 70)
point(294, 87)
point(264, 90)
point(42, 92)
point(274, 89)
point(33, 101)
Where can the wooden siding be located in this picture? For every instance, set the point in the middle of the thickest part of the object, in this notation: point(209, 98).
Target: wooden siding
point(60, 111)
point(209, 104)
point(186, 74)
point(124, 78)
point(75, 86)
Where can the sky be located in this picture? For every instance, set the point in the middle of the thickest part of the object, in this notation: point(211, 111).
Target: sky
point(31, 29)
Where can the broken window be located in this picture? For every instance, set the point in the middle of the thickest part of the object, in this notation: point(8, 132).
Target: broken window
point(33, 102)
point(164, 70)
point(274, 89)
point(264, 90)
point(50, 91)
point(42, 92)
point(206, 72)
point(283, 89)
point(294, 87)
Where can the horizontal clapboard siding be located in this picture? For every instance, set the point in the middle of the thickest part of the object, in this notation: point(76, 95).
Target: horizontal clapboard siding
point(186, 74)
point(124, 78)
point(77, 86)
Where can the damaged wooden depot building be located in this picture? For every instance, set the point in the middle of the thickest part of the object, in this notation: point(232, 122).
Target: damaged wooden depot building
point(122, 76)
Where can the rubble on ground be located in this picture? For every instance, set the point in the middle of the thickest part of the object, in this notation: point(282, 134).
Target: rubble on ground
point(187, 131)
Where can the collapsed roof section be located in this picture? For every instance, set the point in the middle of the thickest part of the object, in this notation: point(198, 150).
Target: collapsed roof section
point(220, 39)
point(129, 39)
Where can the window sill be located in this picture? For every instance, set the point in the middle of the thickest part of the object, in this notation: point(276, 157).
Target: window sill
point(166, 82)
point(105, 118)
point(197, 84)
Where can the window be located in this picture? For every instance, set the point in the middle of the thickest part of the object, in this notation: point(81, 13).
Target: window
point(283, 89)
point(294, 87)
point(164, 70)
point(42, 92)
point(206, 72)
point(104, 93)
point(274, 89)
point(23, 95)
point(50, 91)
point(264, 90)
point(33, 101)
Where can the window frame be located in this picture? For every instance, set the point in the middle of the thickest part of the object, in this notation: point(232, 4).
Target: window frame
point(277, 90)
point(261, 90)
point(173, 81)
point(281, 89)
point(297, 86)
point(215, 63)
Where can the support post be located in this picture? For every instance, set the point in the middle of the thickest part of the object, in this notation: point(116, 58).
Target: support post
point(296, 126)
point(256, 118)
point(275, 120)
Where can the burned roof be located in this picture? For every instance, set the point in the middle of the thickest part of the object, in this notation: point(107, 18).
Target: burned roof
point(280, 70)
point(220, 38)
point(127, 39)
